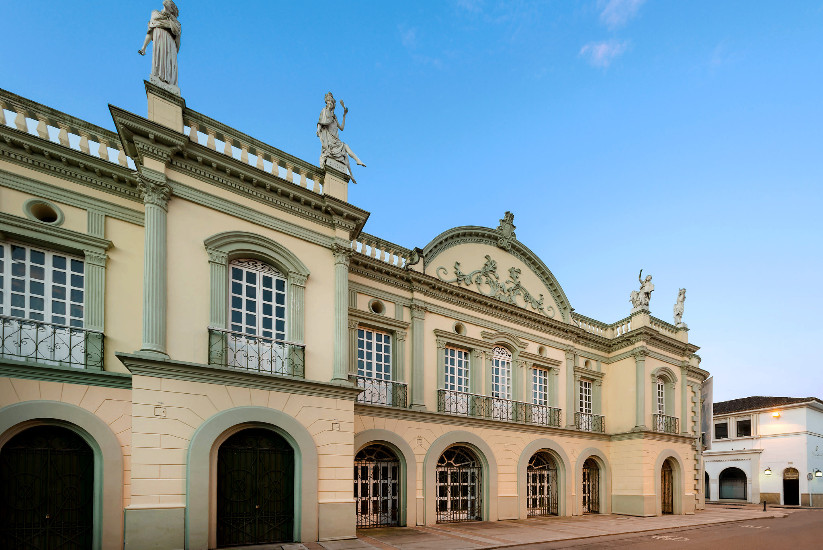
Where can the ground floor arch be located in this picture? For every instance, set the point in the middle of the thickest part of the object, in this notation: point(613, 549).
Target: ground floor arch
point(377, 486)
point(791, 487)
point(591, 487)
point(542, 491)
point(594, 482)
point(37, 428)
point(263, 429)
point(669, 484)
point(707, 486)
point(732, 484)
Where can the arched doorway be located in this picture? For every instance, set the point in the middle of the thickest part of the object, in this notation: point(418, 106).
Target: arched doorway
point(46, 490)
point(707, 494)
point(733, 484)
point(791, 487)
point(541, 485)
point(377, 487)
point(666, 488)
point(255, 489)
point(591, 487)
point(459, 476)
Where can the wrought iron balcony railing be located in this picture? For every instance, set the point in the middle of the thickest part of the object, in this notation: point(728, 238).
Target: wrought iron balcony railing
point(381, 392)
point(495, 408)
point(256, 353)
point(588, 422)
point(665, 424)
point(50, 344)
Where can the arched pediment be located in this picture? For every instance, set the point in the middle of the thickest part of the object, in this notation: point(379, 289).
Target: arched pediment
point(493, 262)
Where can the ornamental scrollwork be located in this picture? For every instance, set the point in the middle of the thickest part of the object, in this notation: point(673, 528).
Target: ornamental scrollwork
point(488, 283)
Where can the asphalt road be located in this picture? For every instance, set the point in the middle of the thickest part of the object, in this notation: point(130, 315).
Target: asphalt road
point(800, 530)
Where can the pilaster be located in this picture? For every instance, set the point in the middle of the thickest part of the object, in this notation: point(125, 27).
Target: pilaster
point(297, 292)
point(570, 383)
point(418, 397)
point(219, 274)
point(95, 290)
point(684, 400)
point(342, 256)
point(353, 327)
point(155, 192)
point(640, 389)
point(399, 366)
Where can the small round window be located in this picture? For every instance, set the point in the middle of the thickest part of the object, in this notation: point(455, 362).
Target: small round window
point(378, 307)
point(43, 211)
point(460, 328)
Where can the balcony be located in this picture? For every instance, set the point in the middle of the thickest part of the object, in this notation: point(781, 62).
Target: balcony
point(381, 392)
point(494, 408)
point(588, 422)
point(50, 344)
point(665, 424)
point(256, 353)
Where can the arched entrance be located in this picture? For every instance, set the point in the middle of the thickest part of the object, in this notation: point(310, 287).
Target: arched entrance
point(791, 487)
point(706, 488)
point(733, 484)
point(377, 487)
point(591, 487)
point(459, 476)
point(666, 488)
point(255, 489)
point(541, 485)
point(46, 490)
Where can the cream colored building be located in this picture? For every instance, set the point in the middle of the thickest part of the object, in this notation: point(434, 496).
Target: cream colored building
point(201, 347)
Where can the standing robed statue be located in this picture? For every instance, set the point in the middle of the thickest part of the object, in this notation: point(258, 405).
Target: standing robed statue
point(164, 32)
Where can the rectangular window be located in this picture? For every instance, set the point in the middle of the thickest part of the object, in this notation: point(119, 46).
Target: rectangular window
point(721, 430)
point(41, 285)
point(540, 386)
point(585, 397)
point(373, 354)
point(661, 397)
point(744, 428)
point(257, 300)
point(457, 370)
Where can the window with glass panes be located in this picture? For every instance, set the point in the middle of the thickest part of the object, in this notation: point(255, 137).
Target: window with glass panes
point(540, 386)
point(661, 396)
point(501, 373)
point(257, 300)
point(41, 285)
point(585, 398)
point(457, 370)
point(373, 354)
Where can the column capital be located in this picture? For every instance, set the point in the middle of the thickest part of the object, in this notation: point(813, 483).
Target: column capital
point(95, 258)
point(353, 324)
point(217, 256)
point(154, 188)
point(342, 254)
point(417, 311)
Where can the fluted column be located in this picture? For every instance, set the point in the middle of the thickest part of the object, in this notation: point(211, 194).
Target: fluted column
point(342, 255)
point(684, 401)
point(219, 274)
point(418, 397)
point(297, 292)
point(640, 389)
point(155, 191)
point(571, 407)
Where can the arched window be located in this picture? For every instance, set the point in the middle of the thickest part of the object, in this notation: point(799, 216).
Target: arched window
point(502, 383)
point(661, 396)
point(663, 416)
point(257, 299)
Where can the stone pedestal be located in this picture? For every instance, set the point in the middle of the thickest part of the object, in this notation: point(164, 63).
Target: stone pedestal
point(336, 182)
point(165, 108)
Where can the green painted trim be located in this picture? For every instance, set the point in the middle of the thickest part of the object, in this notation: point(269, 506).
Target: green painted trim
point(154, 277)
point(408, 468)
point(418, 337)
point(27, 206)
point(49, 373)
point(565, 502)
point(144, 365)
point(198, 471)
point(96, 223)
point(653, 436)
point(236, 210)
point(640, 390)
point(72, 198)
point(571, 389)
point(108, 459)
point(486, 456)
point(340, 359)
point(684, 405)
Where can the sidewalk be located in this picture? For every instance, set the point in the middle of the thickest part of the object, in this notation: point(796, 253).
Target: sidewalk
point(501, 534)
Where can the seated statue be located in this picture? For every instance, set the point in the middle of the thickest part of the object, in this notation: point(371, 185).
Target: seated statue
point(331, 146)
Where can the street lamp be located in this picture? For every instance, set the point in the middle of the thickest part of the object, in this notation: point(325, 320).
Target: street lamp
point(818, 473)
point(776, 414)
point(768, 472)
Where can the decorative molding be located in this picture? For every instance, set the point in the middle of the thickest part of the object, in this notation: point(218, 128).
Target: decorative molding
point(141, 365)
point(164, 94)
point(154, 188)
point(506, 231)
point(376, 321)
point(507, 291)
point(71, 198)
point(444, 337)
point(49, 373)
point(217, 256)
point(653, 436)
point(664, 372)
point(540, 360)
point(497, 337)
point(30, 203)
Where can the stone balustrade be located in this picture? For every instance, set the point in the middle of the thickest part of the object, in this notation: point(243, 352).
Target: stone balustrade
point(58, 127)
point(590, 325)
point(663, 327)
point(248, 150)
point(375, 247)
point(621, 327)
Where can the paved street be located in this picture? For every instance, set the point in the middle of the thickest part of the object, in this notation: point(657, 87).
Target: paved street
point(728, 527)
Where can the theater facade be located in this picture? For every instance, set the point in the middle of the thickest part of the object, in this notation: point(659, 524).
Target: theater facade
point(202, 347)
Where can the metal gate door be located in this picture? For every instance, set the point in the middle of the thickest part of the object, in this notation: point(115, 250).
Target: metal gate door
point(666, 488)
point(541, 485)
point(377, 487)
point(46, 490)
point(255, 489)
point(591, 487)
point(459, 486)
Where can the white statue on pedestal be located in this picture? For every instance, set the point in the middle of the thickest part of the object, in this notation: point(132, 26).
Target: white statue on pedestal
point(164, 31)
point(679, 307)
point(331, 146)
point(641, 298)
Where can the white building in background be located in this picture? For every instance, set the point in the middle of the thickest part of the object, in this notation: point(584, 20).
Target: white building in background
point(766, 449)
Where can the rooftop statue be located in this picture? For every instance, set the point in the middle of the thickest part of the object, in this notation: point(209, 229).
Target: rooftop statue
point(164, 31)
point(679, 308)
point(641, 298)
point(331, 146)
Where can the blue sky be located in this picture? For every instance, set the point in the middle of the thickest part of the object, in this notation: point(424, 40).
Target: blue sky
point(684, 138)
